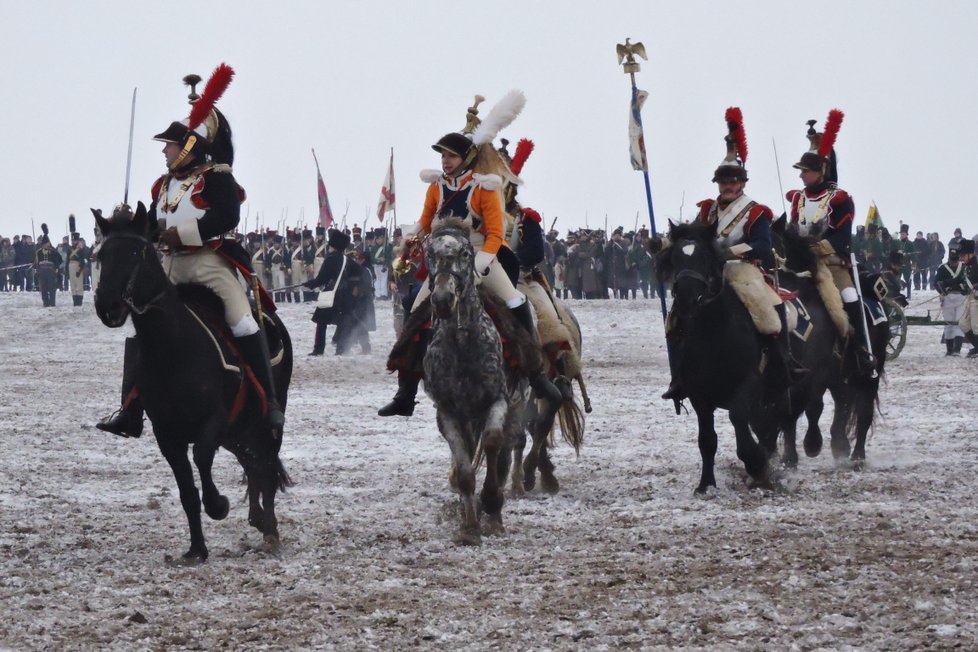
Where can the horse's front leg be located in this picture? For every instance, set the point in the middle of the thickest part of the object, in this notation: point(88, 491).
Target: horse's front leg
point(840, 422)
point(176, 457)
point(216, 505)
point(750, 453)
point(493, 438)
point(813, 436)
point(707, 440)
point(464, 478)
point(864, 404)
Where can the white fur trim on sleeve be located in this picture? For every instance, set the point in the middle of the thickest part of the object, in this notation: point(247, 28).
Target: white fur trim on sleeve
point(488, 181)
point(430, 176)
point(410, 229)
point(189, 234)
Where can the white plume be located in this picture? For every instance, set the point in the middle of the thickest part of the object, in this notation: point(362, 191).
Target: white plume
point(499, 117)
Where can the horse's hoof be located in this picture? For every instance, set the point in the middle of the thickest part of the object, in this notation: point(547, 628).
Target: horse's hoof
point(703, 491)
point(271, 543)
point(468, 537)
point(548, 482)
point(529, 482)
point(494, 525)
point(189, 558)
point(218, 509)
point(492, 503)
point(257, 521)
point(813, 446)
point(790, 462)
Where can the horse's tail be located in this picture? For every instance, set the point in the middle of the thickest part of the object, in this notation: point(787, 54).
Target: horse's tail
point(571, 419)
point(282, 476)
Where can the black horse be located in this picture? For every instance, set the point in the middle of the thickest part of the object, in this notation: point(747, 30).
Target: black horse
point(192, 393)
point(717, 351)
point(854, 391)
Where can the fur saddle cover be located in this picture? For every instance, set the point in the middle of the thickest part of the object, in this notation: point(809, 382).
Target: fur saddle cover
point(523, 355)
point(757, 296)
point(800, 259)
point(558, 337)
point(208, 309)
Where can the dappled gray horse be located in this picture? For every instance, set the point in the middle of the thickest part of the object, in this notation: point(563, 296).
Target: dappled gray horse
point(478, 410)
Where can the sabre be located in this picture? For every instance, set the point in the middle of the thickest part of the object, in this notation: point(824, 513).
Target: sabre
point(132, 124)
point(862, 310)
point(777, 166)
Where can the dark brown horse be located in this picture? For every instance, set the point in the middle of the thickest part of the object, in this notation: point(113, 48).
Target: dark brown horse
point(192, 394)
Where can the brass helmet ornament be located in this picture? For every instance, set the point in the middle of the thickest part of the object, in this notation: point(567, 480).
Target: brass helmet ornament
point(820, 156)
point(205, 131)
point(475, 139)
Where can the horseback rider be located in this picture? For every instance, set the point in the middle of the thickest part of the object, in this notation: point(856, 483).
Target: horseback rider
point(744, 230)
point(197, 206)
point(824, 212)
point(467, 187)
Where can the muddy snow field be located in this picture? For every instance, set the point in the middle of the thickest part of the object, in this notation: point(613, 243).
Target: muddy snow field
point(623, 557)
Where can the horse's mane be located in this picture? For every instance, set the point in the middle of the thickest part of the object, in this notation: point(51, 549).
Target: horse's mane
point(450, 223)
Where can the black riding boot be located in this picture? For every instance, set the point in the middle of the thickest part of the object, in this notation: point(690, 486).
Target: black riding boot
point(254, 350)
point(949, 345)
point(795, 370)
point(127, 421)
point(973, 341)
point(866, 362)
point(403, 403)
point(407, 381)
point(542, 386)
point(958, 341)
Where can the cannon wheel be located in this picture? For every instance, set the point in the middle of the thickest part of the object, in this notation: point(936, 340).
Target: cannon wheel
point(898, 329)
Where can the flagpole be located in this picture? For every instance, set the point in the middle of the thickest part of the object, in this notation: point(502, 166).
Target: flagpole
point(626, 57)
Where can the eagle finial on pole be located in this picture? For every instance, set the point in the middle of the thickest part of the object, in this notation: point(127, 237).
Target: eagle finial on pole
point(626, 55)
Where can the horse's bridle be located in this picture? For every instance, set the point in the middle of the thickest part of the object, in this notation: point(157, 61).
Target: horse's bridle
point(147, 246)
point(710, 296)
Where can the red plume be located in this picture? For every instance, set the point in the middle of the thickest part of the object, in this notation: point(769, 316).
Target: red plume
point(213, 91)
point(735, 123)
point(831, 131)
point(523, 150)
point(532, 214)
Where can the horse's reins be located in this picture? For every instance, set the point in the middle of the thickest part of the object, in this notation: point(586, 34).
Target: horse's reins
point(696, 276)
point(131, 284)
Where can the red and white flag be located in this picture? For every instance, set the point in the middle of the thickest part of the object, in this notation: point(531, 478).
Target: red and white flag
point(386, 202)
point(325, 213)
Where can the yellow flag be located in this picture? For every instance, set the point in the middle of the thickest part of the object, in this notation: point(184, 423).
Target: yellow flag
point(873, 217)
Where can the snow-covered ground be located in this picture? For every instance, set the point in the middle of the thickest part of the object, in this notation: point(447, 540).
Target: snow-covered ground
point(624, 557)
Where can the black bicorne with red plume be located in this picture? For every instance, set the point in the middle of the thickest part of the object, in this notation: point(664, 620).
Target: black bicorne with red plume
point(733, 164)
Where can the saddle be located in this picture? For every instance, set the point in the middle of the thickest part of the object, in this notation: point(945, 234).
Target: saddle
point(208, 309)
point(559, 337)
point(522, 354)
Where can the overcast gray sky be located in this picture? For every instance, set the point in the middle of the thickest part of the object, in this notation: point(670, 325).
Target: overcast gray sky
point(354, 79)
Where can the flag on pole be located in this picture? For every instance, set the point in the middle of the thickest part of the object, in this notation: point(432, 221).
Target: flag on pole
point(873, 217)
point(386, 202)
point(636, 137)
point(325, 213)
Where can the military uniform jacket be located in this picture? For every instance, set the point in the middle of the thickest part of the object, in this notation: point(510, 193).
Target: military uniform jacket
point(202, 203)
point(743, 221)
point(49, 258)
point(81, 256)
point(825, 213)
point(950, 279)
point(470, 194)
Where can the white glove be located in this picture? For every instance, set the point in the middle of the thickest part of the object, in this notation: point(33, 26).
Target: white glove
point(483, 261)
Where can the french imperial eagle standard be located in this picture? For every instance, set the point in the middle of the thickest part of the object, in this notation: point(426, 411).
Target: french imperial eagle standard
point(197, 204)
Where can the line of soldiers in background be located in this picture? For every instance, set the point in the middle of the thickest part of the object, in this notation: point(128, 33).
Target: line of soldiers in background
point(587, 265)
point(286, 260)
point(916, 260)
point(29, 267)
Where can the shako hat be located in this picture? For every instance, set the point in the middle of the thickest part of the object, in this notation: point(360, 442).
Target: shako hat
point(732, 165)
point(205, 131)
point(905, 228)
point(45, 235)
point(338, 240)
point(820, 156)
